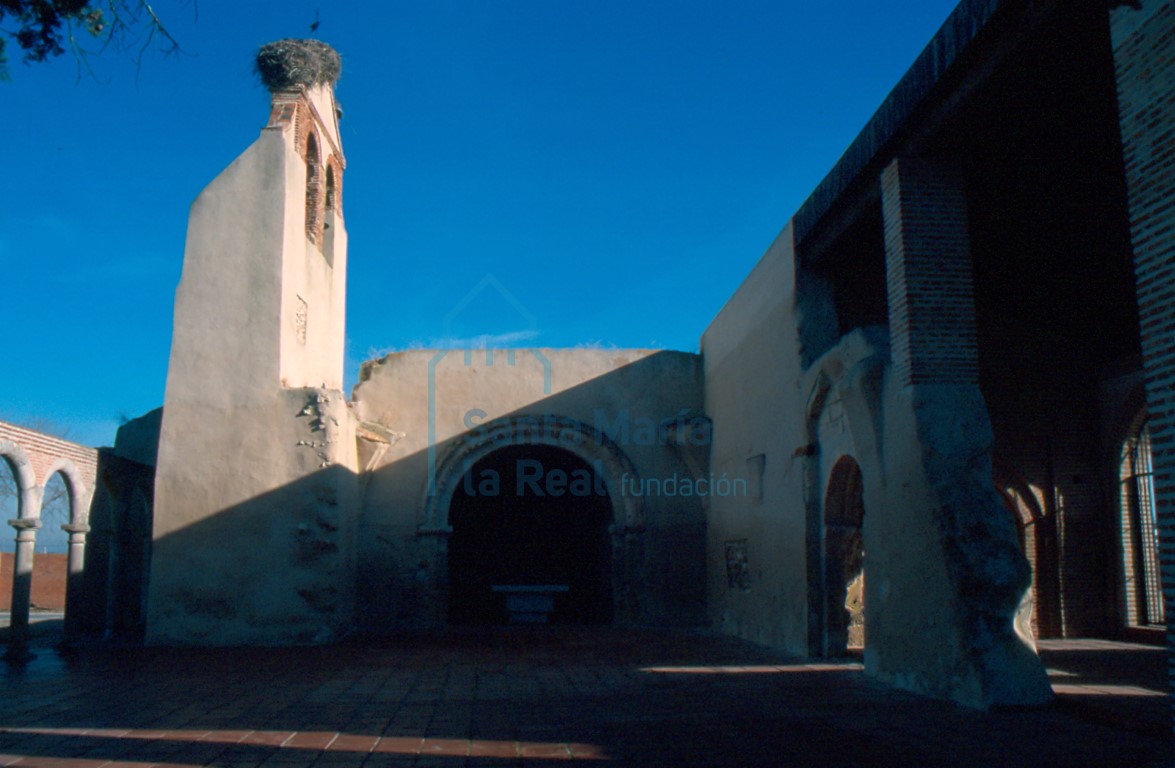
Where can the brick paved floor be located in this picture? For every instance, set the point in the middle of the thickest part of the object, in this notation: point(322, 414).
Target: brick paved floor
point(511, 697)
point(1121, 684)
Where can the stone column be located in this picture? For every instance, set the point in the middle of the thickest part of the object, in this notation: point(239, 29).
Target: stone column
point(935, 377)
point(73, 584)
point(22, 584)
point(1143, 38)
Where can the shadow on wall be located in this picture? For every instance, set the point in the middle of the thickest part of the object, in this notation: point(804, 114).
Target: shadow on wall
point(118, 549)
point(320, 565)
point(615, 433)
point(294, 586)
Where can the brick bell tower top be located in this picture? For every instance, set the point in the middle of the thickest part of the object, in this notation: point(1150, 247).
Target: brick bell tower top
point(300, 75)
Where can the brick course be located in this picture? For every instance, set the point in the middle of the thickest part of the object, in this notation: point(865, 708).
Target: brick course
point(49, 576)
point(928, 274)
point(44, 450)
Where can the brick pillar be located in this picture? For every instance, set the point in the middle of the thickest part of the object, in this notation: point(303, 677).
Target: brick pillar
point(1143, 38)
point(928, 274)
point(935, 367)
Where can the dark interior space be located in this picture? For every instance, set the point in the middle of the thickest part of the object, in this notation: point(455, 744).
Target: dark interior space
point(844, 559)
point(1039, 146)
point(530, 515)
point(855, 265)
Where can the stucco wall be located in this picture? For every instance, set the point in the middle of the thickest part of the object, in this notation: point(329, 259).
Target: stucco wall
point(255, 484)
point(631, 396)
point(752, 373)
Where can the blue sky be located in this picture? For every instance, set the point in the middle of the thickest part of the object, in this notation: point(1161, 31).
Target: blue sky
point(617, 169)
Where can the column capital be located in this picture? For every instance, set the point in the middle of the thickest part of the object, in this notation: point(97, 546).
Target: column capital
point(25, 523)
point(75, 528)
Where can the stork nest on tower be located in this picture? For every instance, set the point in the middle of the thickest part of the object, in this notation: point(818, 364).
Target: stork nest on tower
point(287, 64)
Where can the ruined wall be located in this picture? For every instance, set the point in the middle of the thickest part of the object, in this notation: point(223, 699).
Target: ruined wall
point(424, 414)
point(939, 560)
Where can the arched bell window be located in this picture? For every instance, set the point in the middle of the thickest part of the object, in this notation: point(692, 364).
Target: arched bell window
point(313, 183)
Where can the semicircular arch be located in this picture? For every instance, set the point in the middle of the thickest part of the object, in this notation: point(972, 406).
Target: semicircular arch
point(586, 442)
point(79, 494)
point(26, 481)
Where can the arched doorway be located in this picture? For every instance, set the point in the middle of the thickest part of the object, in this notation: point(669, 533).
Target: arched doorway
point(844, 560)
point(532, 522)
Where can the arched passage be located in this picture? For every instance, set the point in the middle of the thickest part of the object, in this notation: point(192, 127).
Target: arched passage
point(530, 516)
point(844, 559)
point(1039, 614)
point(1141, 573)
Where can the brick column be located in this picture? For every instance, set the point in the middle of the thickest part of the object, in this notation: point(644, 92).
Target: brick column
point(22, 585)
point(1143, 38)
point(928, 274)
point(935, 367)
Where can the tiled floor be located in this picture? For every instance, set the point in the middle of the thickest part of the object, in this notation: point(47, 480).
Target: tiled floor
point(532, 697)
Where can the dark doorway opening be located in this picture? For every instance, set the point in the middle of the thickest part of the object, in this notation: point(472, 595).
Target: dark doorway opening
point(530, 516)
point(844, 560)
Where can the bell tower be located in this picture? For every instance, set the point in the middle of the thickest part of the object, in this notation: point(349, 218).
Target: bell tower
point(300, 75)
point(255, 481)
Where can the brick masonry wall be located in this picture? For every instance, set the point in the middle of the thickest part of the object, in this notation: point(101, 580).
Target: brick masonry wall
point(49, 574)
point(1144, 63)
point(928, 274)
point(44, 450)
point(291, 108)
